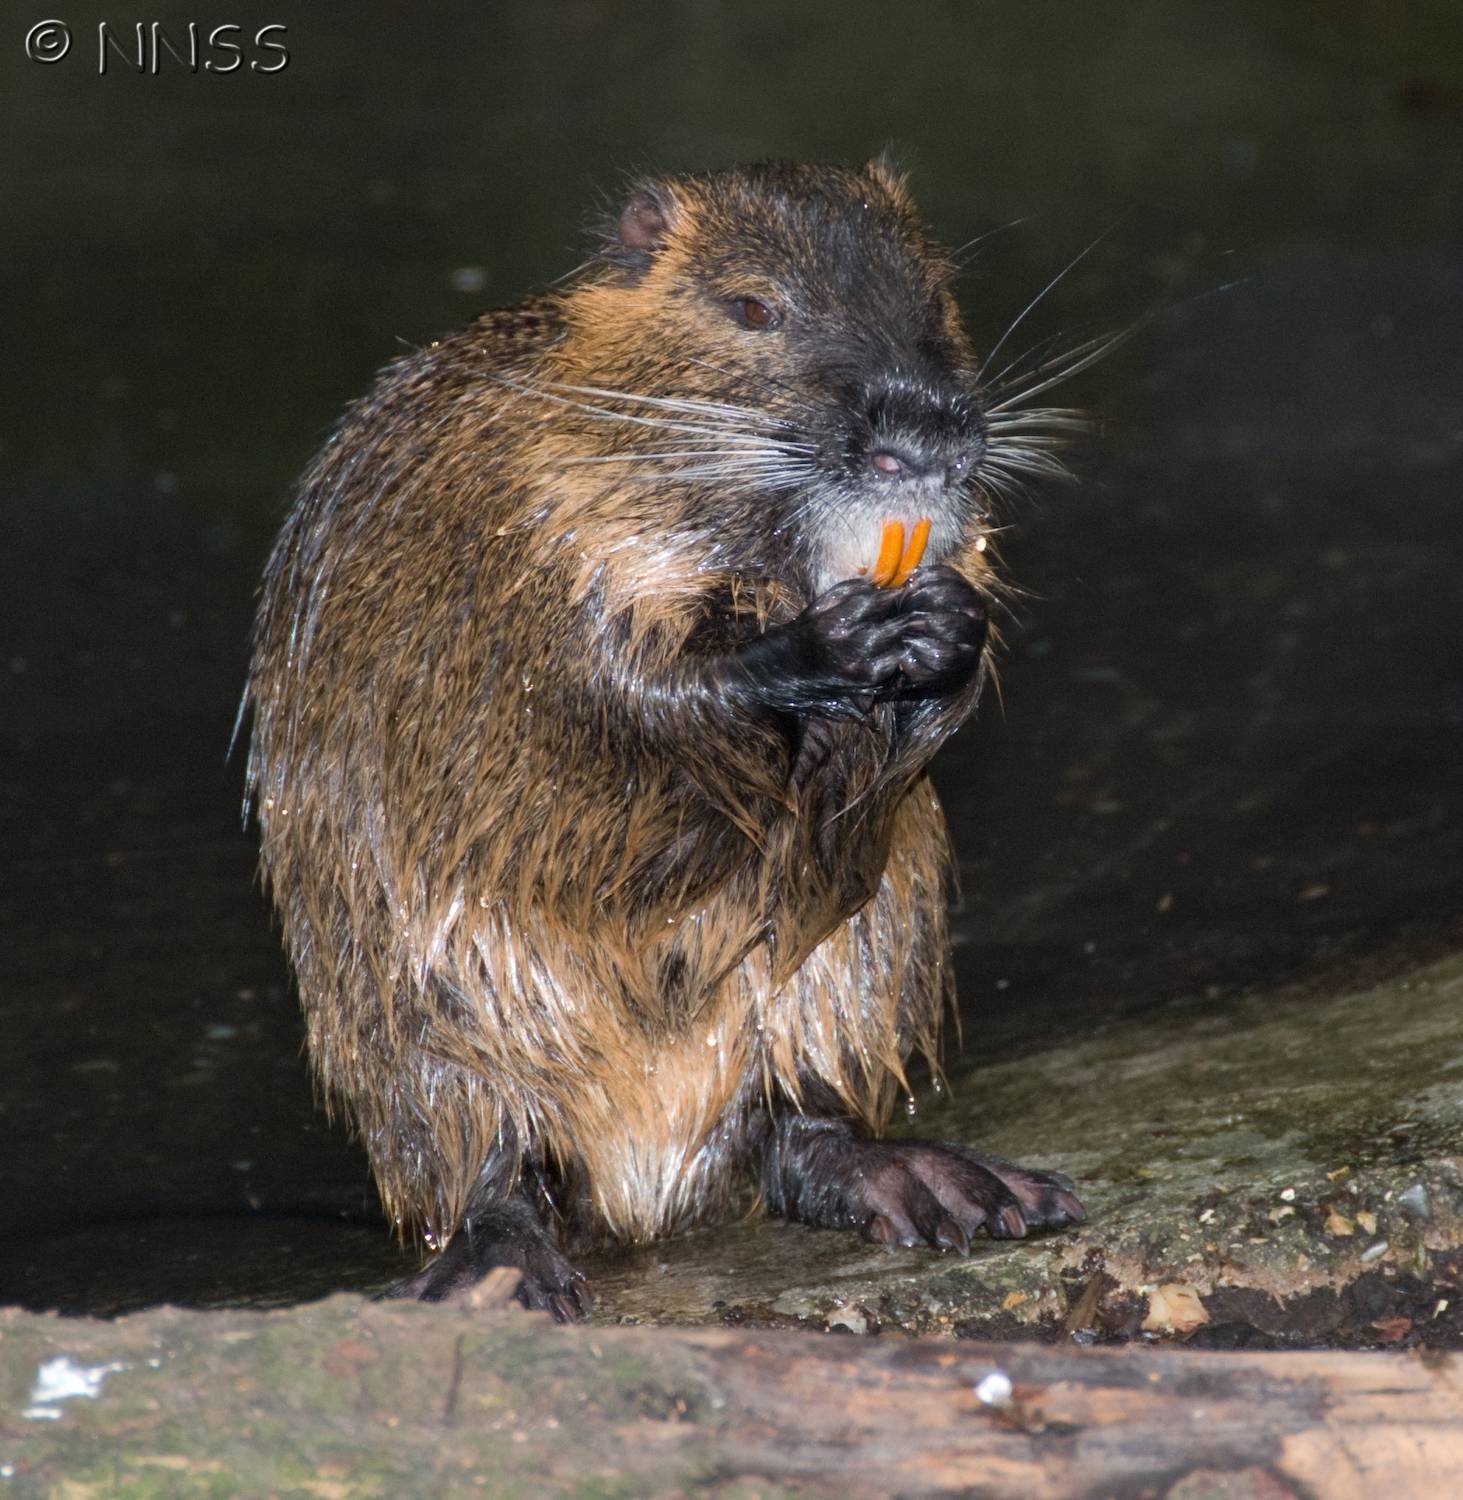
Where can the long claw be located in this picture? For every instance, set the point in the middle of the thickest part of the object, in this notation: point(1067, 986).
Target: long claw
point(950, 1236)
point(881, 1231)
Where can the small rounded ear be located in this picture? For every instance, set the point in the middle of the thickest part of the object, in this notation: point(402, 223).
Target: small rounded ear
point(645, 221)
point(885, 171)
point(641, 229)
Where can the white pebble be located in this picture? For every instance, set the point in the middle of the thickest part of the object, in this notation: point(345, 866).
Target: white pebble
point(62, 1379)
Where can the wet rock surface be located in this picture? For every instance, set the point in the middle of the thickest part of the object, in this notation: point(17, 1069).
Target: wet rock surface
point(1210, 835)
point(1294, 1161)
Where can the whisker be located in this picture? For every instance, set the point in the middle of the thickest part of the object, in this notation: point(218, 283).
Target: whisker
point(1083, 357)
point(766, 375)
point(1054, 442)
point(1014, 465)
point(1066, 270)
point(963, 254)
point(767, 463)
point(1035, 465)
point(717, 409)
point(1047, 373)
point(1040, 419)
point(1036, 354)
point(735, 479)
point(664, 455)
point(725, 428)
point(1008, 385)
point(604, 414)
point(583, 265)
point(1004, 488)
point(817, 499)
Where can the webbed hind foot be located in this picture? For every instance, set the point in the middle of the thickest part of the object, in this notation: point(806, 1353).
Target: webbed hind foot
point(936, 1193)
point(506, 1232)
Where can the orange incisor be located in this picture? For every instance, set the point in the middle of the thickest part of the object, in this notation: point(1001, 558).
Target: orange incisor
point(898, 559)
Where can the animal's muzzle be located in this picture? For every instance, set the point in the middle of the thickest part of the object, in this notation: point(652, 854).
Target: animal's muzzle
point(920, 431)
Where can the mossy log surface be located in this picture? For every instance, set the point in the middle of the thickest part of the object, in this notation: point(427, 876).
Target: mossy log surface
point(346, 1398)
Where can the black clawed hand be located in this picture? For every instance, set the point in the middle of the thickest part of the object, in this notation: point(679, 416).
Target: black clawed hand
point(945, 631)
point(857, 643)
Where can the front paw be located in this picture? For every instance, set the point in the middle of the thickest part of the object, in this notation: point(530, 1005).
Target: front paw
point(944, 632)
point(842, 652)
point(857, 644)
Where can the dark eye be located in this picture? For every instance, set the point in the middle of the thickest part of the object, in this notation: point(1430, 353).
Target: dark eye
point(752, 312)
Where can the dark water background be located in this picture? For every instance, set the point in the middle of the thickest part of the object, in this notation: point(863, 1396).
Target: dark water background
point(1231, 749)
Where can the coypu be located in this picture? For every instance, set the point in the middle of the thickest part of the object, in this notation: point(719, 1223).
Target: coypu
point(589, 768)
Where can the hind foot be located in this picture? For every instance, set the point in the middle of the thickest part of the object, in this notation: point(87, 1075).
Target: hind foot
point(507, 1232)
point(935, 1193)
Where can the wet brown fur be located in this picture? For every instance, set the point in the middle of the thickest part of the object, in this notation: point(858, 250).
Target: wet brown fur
point(527, 917)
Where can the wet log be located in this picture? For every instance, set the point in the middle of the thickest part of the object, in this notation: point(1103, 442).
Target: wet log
point(345, 1398)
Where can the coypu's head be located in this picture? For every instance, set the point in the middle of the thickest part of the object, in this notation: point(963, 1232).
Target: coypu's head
point(780, 343)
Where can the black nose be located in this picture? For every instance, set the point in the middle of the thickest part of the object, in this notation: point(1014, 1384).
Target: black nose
point(920, 431)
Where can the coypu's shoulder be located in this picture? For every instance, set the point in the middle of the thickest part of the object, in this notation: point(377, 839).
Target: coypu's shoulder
point(523, 329)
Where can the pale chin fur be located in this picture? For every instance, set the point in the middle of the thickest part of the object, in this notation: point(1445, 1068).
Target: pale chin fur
point(846, 540)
